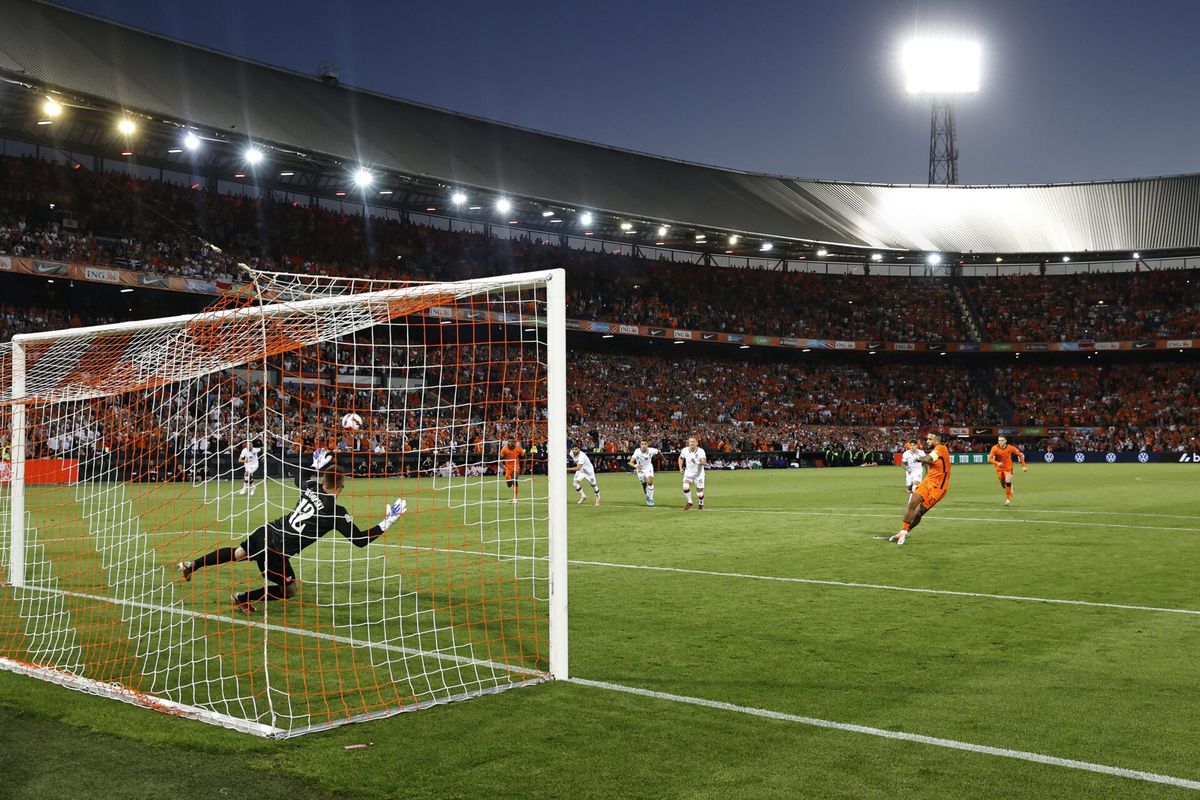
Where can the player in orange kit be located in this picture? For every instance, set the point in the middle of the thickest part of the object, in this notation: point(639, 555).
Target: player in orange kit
point(932, 489)
point(1001, 456)
point(510, 457)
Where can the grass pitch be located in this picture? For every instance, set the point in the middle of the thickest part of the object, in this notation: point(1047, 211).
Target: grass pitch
point(783, 595)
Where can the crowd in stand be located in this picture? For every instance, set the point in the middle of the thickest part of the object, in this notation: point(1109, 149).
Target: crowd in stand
point(54, 211)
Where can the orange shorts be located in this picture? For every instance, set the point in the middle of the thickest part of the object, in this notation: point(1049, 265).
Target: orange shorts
point(509, 473)
point(930, 496)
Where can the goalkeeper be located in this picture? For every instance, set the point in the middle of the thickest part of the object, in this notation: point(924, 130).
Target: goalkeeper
point(271, 546)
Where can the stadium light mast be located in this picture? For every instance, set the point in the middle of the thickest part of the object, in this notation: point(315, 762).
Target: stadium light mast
point(941, 69)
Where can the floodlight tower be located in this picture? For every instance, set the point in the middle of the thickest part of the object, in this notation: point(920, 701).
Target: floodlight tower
point(941, 69)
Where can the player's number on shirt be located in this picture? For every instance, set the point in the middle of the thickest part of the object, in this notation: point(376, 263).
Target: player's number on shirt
point(303, 513)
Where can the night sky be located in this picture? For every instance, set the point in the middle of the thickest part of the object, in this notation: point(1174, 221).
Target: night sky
point(1072, 89)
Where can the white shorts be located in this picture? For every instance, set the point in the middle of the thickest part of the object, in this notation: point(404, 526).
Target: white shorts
point(581, 476)
point(642, 476)
point(698, 480)
point(911, 482)
point(251, 467)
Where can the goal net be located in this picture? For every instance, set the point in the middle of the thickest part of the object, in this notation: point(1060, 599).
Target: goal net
point(155, 488)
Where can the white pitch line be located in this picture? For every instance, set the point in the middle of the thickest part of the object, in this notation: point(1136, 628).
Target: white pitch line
point(953, 744)
point(899, 514)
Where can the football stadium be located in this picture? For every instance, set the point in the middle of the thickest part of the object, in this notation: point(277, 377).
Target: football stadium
point(354, 447)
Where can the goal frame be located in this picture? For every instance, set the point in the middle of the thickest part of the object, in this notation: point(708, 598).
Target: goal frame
point(554, 326)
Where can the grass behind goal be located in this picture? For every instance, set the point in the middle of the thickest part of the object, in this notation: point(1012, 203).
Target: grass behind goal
point(709, 606)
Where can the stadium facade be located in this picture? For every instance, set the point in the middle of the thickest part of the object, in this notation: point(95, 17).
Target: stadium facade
point(321, 131)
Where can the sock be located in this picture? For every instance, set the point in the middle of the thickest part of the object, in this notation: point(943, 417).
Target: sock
point(271, 592)
point(595, 491)
point(687, 495)
point(645, 489)
point(579, 489)
point(904, 528)
point(700, 497)
point(1008, 492)
point(218, 556)
point(650, 493)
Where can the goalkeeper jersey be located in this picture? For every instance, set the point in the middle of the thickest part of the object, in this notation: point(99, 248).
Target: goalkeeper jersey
point(316, 513)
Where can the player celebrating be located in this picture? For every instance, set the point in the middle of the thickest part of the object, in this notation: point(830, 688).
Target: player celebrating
point(249, 461)
point(914, 470)
point(271, 546)
point(583, 472)
point(510, 457)
point(691, 463)
point(1001, 456)
point(929, 491)
point(642, 460)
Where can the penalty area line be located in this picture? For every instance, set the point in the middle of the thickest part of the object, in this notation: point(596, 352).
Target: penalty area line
point(917, 738)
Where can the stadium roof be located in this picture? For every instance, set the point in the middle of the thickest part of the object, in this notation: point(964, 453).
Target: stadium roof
point(113, 66)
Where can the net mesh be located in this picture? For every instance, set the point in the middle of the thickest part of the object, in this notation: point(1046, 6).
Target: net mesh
point(157, 443)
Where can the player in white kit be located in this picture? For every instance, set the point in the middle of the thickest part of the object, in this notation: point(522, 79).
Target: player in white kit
point(914, 469)
point(642, 460)
point(691, 463)
point(249, 462)
point(583, 472)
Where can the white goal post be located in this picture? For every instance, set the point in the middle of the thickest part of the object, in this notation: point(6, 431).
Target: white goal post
point(144, 457)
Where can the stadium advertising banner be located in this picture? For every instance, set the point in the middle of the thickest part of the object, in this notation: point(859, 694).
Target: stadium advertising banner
point(1083, 457)
point(134, 278)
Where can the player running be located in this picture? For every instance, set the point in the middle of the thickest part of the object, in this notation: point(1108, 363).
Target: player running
point(510, 457)
point(914, 470)
point(583, 472)
point(249, 461)
point(1001, 456)
point(642, 460)
point(931, 490)
point(692, 461)
point(271, 546)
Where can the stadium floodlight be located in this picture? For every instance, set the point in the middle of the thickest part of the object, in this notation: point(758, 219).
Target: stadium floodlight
point(547, 213)
point(363, 178)
point(933, 259)
point(504, 205)
point(733, 238)
point(627, 226)
point(52, 108)
point(458, 198)
point(1066, 259)
point(822, 253)
point(126, 126)
point(1137, 255)
point(253, 155)
point(941, 66)
point(191, 141)
point(766, 247)
point(877, 256)
point(585, 218)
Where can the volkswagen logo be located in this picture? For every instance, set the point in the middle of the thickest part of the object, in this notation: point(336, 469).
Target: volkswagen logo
point(1049, 457)
point(1079, 458)
point(1110, 457)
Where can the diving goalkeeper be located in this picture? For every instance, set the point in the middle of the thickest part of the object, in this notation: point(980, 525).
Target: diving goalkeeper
point(271, 546)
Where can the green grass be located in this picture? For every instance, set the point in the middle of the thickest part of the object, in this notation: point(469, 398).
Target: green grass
point(1106, 685)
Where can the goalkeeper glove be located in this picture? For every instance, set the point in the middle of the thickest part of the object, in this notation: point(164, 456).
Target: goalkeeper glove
point(393, 513)
point(321, 458)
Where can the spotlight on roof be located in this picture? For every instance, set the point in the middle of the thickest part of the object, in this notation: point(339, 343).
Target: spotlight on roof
point(504, 205)
point(733, 238)
point(766, 247)
point(822, 253)
point(1066, 259)
point(662, 230)
point(998, 259)
point(1137, 255)
point(126, 126)
point(877, 256)
point(941, 66)
point(253, 155)
point(191, 141)
point(586, 218)
point(458, 198)
point(933, 259)
point(547, 213)
point(363, 178)
point(626, 226)
point(700, 237)
point(52, 108)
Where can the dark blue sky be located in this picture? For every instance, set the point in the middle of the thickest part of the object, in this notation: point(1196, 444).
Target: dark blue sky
point(1072, 89)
